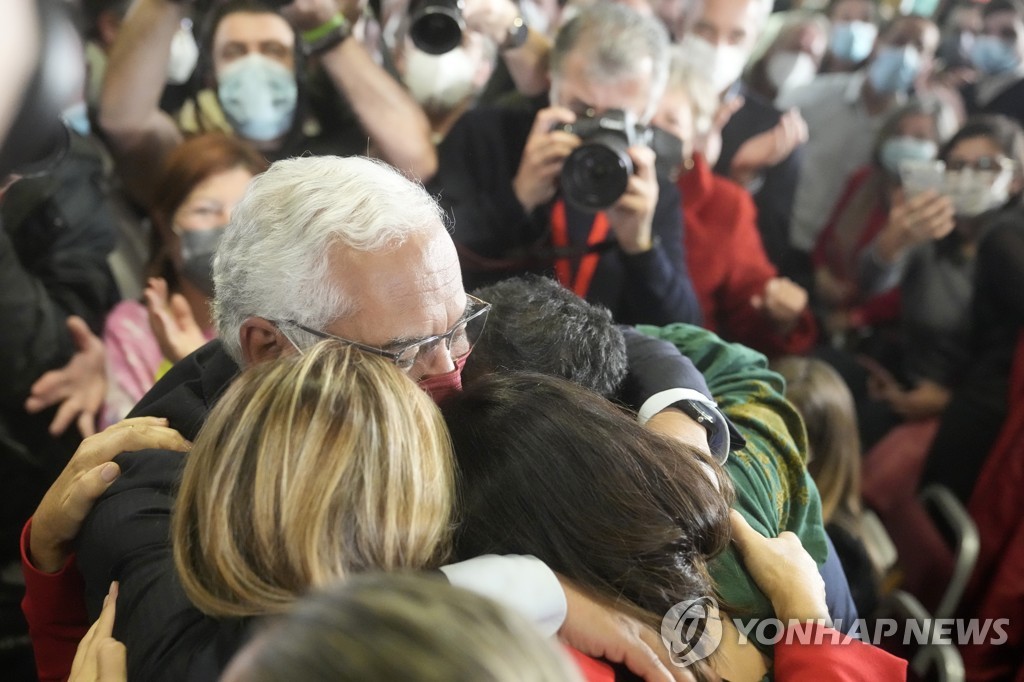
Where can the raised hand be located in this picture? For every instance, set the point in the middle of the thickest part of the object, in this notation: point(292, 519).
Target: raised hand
point(172, 321)
point(632, 216)
point(769, 148)
point(536, 181)
point(79, 387)
point(921, 218)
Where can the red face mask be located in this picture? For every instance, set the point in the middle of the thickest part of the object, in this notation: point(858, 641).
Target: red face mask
point(442, 386)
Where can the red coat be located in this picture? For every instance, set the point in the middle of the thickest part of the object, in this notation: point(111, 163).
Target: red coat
point(728, 264)
point(837, 658)
point(840, 255)
point(54, 606)
point(997, 507)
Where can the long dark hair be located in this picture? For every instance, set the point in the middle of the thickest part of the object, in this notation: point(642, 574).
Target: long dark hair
point(553, 470)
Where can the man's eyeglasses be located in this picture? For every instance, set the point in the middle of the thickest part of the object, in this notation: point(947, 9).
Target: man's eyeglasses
point(458, 341)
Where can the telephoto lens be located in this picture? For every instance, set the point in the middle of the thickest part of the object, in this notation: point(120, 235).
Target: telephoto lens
point(436, 26)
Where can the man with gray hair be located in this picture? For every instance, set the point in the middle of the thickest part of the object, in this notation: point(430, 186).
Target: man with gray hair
point(320, 247)
point(572, 190)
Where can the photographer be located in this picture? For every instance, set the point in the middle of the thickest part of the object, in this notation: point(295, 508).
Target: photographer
point(500, 171)
point(253, 61)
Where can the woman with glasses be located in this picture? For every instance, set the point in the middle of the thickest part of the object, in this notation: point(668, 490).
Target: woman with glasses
point(987, 168)
point(935, 269)
point(203, 181)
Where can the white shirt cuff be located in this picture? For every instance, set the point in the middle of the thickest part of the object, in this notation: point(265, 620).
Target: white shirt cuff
point(523, 583)
point(659, 401)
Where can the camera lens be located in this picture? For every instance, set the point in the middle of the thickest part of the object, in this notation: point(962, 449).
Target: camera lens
point(595, 175)
point(436, 26)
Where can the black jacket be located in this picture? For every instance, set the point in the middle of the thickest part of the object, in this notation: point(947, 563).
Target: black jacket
point(127, 538)
point(773, 194)
point(1009, 102)
point(56, 234)
point(497, 239)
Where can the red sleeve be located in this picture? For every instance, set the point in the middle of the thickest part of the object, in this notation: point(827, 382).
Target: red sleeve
point(881, 309)
point(818, 256)
point(54, 606)
point(749, 273)
point(826, 655)
point(592, 669)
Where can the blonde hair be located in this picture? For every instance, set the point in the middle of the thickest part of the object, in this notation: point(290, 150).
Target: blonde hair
point(699, 92)
point(826, 404)
point(401, 627)
point(310, 468)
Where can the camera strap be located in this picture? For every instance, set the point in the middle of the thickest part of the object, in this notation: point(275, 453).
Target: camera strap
point(580, 284)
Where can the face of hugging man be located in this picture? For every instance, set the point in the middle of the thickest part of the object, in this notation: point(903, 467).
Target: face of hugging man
point(410, 306)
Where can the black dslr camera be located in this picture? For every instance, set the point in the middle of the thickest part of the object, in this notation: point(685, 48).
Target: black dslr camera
point(436, 26)
point(596, 173)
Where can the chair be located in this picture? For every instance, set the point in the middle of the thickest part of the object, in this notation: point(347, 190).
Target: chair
point(929, 660)
point(960, 532)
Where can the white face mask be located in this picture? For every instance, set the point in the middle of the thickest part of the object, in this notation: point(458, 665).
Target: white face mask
point(720, 64)
point(184, 56)
point(789, 70)
point(439, 82)
point(978, 191)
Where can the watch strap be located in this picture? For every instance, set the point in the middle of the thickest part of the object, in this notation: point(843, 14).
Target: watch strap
point(517, 34)
point(326, 36)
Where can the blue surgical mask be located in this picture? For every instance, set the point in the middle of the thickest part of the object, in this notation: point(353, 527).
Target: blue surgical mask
point(992, 55)
point(852, 41)
point(919, 8)
point(905, 148)
point(77, 118)
point(894, 69)
point(258, 96)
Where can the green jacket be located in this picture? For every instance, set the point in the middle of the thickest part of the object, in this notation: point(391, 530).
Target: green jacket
point(774, 491)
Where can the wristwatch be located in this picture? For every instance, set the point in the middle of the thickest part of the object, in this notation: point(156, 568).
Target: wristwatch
point(707, 414)
point(517, 34)
point(326, 36)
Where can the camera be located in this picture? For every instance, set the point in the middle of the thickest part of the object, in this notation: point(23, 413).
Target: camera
point(597, 172)
point(436, 26)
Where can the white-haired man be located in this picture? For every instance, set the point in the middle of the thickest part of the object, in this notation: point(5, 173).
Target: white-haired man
point(501, 175)
point(319, 247)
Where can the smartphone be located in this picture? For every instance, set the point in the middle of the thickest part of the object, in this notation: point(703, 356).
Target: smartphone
point(919, 176)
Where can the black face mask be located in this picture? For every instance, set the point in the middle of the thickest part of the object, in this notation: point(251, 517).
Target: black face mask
point(198, 248)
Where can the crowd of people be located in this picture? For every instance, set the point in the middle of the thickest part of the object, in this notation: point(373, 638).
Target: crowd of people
point(468, 340)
